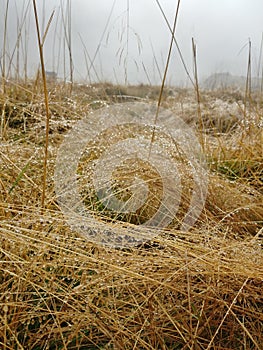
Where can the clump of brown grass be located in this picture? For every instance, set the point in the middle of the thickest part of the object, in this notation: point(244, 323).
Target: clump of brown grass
point(183, 290)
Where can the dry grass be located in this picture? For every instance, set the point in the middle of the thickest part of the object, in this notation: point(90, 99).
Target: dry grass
point(195, 290)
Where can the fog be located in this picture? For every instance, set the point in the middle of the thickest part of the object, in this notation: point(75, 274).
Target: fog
point(127, 41)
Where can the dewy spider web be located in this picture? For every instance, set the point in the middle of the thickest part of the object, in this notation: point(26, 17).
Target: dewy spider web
point(174, 149)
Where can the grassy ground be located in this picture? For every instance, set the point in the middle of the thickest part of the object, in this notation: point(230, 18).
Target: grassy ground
point(200, 289)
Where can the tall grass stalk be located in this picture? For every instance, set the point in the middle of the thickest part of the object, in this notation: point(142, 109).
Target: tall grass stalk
point(20, 24)
point(92, 61)
point(146, 74)
point(66, 22)
point(4, 48)
point(18, 49)
point(127, 42)
point(197, 91)
point(175, 42)
point(40, 46)
point(156, 63)
point(89, 62)
point(248, 82)
point(71, 67)
point(165, 75)
point(261, 62)
point(25, 49)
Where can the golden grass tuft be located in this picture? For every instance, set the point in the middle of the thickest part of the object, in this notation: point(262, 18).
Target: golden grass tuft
point(200, 289)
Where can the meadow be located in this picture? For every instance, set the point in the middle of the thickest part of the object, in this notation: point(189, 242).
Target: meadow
point(200, 289)
point(197, 288)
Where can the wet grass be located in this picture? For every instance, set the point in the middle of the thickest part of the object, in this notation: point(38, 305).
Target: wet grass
point(200, 289)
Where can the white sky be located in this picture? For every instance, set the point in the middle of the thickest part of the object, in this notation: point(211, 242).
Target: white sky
point(220, 28)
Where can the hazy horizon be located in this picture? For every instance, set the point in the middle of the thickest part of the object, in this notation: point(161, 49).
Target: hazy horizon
point(128, 41)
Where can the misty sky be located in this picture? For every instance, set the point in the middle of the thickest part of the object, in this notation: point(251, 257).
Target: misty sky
point(129, 40)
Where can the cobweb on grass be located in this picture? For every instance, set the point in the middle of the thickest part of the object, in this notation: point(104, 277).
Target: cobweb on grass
point(121, 176)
